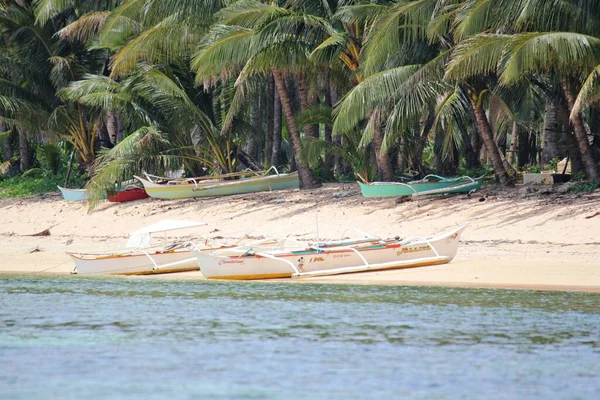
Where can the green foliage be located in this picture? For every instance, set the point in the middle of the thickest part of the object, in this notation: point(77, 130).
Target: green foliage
point(553, 164)
point(27, 186)
point(585, 187)
point(50, 157)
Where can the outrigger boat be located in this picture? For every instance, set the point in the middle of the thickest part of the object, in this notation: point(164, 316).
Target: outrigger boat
point(72, 194)
point(142, 258)
point(222, 185)
point(431, 184)
point(130, 193)
point(260, 262)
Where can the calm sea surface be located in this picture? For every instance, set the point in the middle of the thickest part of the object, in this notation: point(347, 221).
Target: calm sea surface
point(78, 338)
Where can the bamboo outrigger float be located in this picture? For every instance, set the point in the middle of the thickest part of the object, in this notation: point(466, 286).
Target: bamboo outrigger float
point(431, 184)
point(254, 262)
point(222, 185)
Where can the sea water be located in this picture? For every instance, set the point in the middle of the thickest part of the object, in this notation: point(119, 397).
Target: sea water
point(78, 338)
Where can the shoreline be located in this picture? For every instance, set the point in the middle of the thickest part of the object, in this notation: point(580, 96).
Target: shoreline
point(515, 239)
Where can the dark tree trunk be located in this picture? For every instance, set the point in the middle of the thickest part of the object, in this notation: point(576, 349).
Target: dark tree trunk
point(552, 133)
point(112, 127)
point(260, 139)
point(328, 163)
point(277, 127)
point(119, 130)
point(514, 140)
point(24, 151)
point(103, 136)
point(7, 152)
point(420, 134)
point(444, 164)
point(471, 157)
point(307, 179)
point(384, 164)
point(270, 121)
point(306, 101)
point(488, 139)
point(589, 164)
point(523, 147)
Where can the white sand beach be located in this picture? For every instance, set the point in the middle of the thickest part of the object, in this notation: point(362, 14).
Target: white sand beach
point(525, 238)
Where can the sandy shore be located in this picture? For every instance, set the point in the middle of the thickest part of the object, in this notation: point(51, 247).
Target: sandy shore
point(522, 239)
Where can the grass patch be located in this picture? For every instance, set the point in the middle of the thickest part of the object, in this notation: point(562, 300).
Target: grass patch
point(585, 187)
point(27, 186)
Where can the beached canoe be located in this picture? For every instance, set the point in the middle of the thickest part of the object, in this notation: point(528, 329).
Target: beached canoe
point(217, 186)
point(129, 194)
point(141, 256)
point(244, 262)
point(73, 194)
point(431, 184)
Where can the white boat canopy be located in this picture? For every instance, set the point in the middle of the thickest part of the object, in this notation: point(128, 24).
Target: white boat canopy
point(142, 237)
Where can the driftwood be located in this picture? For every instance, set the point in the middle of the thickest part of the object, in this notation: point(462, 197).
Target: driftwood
point(45, 232)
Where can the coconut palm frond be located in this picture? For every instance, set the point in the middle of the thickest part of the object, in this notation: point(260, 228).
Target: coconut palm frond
point(477, 56)
point(377, 89)
point(224, 53)
point(85, 28)
point(157, 45)
point(316, 114)
point(250, 13)
point(403, 23)
point(45, 9)
point(549, 51)
point(589, 93)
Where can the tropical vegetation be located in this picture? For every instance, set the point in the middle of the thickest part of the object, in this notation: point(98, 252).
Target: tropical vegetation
point(334, 89)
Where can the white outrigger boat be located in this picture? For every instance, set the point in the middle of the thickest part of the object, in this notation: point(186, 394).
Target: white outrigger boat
point(141, 257)
point(369, 254)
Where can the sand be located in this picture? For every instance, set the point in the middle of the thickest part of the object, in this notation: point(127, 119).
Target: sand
point(525, 238)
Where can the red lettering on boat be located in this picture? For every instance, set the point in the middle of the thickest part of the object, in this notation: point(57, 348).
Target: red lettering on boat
point(222, 262)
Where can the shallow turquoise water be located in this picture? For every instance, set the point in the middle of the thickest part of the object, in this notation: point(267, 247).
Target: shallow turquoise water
point(78, 338)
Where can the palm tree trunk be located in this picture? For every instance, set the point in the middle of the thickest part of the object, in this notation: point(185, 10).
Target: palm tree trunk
point(7, 152)
point(471, 157)
point(488, 139)
point(307, 179)
point(551, 134)
point(268, 151)
point(305, 102)
point(384, 163)
point(277, 126)
point(512, 153)
point(329, 160)
point(24, 152)
point(523, 148)
point(589, 164)
point(112, 126)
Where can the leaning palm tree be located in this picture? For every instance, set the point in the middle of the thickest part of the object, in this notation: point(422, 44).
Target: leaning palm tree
point(251, 39)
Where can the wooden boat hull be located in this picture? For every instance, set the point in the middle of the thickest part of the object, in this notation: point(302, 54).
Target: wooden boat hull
point(73, 194)
point(135, 263)
point(123, 196)
point(416, 253)
point(221, 188)
point(395, 189)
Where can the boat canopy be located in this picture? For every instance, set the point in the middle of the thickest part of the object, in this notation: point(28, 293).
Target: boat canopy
point(142, 237)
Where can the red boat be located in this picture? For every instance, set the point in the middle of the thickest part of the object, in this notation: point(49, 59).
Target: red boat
point(128, 195)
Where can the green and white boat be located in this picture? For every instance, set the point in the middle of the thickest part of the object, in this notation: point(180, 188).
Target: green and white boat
point(431, 184)
point(222, 185)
